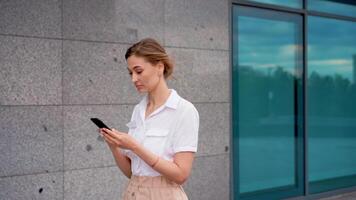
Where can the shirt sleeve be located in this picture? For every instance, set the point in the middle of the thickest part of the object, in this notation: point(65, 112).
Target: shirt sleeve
point(186, 133)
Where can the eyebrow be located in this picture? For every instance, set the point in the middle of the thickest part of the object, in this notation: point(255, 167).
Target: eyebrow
point(133, 67)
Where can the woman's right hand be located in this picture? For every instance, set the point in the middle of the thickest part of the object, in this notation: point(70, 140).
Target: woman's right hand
point(111, 145)
point(122, 161)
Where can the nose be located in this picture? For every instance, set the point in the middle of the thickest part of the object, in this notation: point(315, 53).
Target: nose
point(133, 77)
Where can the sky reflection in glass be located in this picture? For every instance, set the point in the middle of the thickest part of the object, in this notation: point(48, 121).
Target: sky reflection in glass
point(348, 8)
point(288, 3)
point(331, 47)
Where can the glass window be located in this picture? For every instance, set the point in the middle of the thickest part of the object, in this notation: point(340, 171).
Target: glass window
point(331, 114)
point(288, 3)
point(340, 7)
point(267, 66)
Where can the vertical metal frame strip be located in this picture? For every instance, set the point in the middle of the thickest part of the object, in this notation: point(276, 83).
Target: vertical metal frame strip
point(305, 105)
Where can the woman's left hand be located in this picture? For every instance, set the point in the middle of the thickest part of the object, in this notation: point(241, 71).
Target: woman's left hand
point(120, 139)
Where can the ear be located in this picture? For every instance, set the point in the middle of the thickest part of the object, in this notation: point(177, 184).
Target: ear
point(160, 66)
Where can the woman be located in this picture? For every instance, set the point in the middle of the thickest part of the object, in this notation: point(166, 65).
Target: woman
point(158, 152)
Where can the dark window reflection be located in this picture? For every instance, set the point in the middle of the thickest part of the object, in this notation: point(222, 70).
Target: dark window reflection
point(331, 103)
point(267, 64)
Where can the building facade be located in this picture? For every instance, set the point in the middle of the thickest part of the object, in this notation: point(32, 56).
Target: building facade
point(293, 86)
point(273, 81)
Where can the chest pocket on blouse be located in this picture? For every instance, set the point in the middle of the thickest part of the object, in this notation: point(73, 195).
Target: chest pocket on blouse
point(156, 139)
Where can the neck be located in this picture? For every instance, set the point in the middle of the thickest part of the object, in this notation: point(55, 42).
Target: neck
point(158, 95)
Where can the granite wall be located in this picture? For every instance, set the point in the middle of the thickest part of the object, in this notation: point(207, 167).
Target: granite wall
point(62, 62)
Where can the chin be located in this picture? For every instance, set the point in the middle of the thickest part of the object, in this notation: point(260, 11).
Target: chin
point(142, 90)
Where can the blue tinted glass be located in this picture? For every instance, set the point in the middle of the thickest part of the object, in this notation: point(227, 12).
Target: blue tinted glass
point(340, 7)
point(267, 68)
point(331, 102)
point(288, 3)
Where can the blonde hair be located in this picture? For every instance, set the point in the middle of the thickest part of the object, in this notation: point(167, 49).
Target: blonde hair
point(153, 53)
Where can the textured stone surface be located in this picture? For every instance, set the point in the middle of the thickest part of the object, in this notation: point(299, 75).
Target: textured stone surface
point(30, 71)
point(91, 184)
point(209, 179)
point(214, 132)
point(201, 75)
point(197, 23)
point(345, 196)
point(31, 140)
point(83, 147)
point(37, 186)
point(41, 18)
point(96, 73)
point(113, 20)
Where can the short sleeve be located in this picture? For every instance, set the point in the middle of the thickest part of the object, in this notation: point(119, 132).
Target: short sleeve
point(186, 133)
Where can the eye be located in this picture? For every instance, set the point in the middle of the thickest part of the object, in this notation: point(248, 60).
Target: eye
point(139, 72)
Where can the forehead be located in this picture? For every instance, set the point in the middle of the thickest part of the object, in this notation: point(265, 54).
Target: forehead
point(136, 61)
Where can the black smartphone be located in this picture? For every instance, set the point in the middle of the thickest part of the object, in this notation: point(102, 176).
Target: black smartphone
point(99, 123)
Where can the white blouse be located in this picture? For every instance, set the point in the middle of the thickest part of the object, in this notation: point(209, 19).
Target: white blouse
point(171, 128)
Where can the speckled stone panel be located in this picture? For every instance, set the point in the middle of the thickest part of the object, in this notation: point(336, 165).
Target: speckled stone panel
point(113, 20)
point(83, 145)
point(30, 71)
point(31, 140)
point(37, 186)
point(40, 18)
point(214, 131)
point(209, 179)
point(97, 183)
point(197, 23)
point(345, 196)
point(96, 73)
point(201, 75)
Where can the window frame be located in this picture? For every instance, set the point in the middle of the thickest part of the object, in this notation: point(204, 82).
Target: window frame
point(305, 13)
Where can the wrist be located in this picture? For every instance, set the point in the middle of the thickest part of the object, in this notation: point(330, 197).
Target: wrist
point(113, 147)
point(135, 148)
point(155, 163)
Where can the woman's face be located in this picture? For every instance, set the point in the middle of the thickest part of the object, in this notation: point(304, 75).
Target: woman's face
point(144, 75)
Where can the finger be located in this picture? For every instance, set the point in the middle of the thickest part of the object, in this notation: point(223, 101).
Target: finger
point(111, 137)
point(107, 131)
point(111, 133)
point(107, 135)
point(117, 132)
point(108, 140)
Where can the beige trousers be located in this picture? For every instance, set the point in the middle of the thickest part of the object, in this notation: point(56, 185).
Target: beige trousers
point(153, 188)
